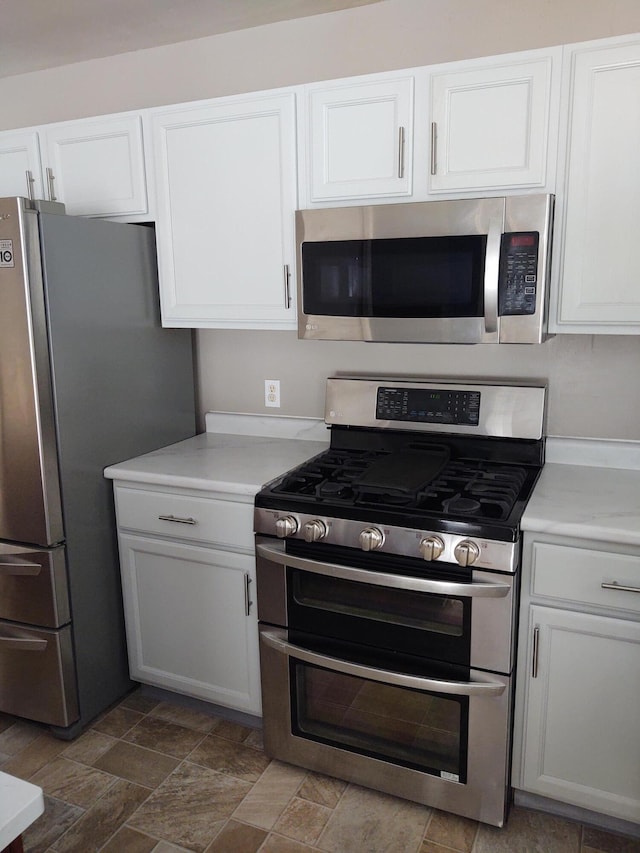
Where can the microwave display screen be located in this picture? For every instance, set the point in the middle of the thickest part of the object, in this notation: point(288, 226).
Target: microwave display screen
point(398, 277)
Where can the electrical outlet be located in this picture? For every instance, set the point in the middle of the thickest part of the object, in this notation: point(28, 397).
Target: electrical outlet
point(272, 392)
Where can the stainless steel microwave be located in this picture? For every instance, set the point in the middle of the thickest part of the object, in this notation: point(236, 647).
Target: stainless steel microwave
point(458, 272)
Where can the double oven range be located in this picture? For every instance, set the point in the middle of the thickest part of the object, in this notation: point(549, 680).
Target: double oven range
point(387, 572)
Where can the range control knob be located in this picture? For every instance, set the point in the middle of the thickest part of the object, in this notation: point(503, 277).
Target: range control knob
point(371, 538)
point(286, 526)
point(466, 552)
point(431, 547)
point(314, 530)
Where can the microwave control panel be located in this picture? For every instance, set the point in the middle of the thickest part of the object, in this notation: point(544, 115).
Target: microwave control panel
point(518, 273)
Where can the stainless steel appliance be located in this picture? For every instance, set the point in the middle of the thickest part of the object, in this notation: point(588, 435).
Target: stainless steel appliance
point(387, 573)
point(464, 272)
point(87, 378)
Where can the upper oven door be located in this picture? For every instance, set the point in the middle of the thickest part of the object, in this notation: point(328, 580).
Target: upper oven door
point(468, 623)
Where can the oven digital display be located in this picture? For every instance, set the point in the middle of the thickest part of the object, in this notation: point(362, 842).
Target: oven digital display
point(428, 405)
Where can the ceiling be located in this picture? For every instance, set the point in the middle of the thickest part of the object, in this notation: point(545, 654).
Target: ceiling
point(38, 34)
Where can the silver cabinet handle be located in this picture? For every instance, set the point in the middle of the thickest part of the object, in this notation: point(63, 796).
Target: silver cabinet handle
point(287, 295)
point(620, 586)
point(492, 273)
point(401, 152)
point(17, 566)
point(434, 144)
point(30, 183)
point(247, 595)
point(277, 640)
point(277, 554)
point(536, 646)
point(50, 180)
point(22, 644)
point(177, 519)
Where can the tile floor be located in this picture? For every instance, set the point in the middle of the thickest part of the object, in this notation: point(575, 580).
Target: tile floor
point(163, 776)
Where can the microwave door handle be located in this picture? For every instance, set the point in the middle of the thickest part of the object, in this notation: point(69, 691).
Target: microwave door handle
point(277, 554)
point(276, 639)
point(492, 274)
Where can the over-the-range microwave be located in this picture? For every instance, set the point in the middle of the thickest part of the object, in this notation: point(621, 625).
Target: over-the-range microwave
point(460, 272)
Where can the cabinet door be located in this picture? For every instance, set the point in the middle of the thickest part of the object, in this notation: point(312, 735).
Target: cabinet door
point(96, 167)
point(360, 140)
point(599, 274)
point(191, 620)
point(20, 172)
point(582, 728)
point(226, 200)
point(490, 126)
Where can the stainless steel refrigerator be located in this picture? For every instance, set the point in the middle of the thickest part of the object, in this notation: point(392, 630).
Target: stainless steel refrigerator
point(87, 378)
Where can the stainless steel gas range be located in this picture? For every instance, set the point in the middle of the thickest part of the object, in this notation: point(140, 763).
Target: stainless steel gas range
point(388, 574)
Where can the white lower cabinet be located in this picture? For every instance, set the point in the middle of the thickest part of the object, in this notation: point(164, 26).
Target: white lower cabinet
point(190, 608)
point(578, 730)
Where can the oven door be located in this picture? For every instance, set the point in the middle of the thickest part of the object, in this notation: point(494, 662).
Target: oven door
point(438, 741)
point(468, 623)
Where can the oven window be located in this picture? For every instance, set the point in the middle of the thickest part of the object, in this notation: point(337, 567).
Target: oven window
point(399, 277)
point(424, 731)
point(434, 613)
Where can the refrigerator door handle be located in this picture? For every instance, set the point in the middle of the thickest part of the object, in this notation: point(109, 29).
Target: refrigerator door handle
point(18, 566)
point(23, 644)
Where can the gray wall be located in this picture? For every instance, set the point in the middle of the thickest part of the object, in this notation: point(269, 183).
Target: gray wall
point(594, 381)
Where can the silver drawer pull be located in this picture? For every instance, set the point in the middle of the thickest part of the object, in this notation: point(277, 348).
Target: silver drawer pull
point(621, 587)
point(177, 519)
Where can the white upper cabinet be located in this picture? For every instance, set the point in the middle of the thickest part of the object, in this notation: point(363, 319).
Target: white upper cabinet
point(226, 190)
point(20, 170)
point(96, 167)
point(599, 285)
point(359, 138)
point(491, 122)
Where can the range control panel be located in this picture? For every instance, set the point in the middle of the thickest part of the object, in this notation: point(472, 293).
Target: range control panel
point(428, 405)
point(518, 273)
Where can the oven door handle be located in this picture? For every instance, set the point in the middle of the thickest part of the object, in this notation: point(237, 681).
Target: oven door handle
point(479, 687)
point(277, 554)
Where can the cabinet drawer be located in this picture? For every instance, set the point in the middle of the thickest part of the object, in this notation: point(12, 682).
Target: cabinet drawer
point(578, 575)
point(186, 517)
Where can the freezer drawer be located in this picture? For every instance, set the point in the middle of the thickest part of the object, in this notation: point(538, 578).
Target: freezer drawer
point(33, 586)
point(37, 677)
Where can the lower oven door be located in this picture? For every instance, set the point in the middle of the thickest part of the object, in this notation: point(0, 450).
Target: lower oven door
point(441, 742)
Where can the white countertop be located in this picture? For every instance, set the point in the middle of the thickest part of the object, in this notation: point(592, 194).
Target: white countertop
point(595, 496)
point(587, 502)
point(219, 462)
point(20, 804)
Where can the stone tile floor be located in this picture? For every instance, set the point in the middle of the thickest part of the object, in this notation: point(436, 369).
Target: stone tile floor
point(154, 775)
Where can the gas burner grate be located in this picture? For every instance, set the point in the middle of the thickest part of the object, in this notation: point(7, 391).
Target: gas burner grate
point(328, 477)
point(474, 488)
